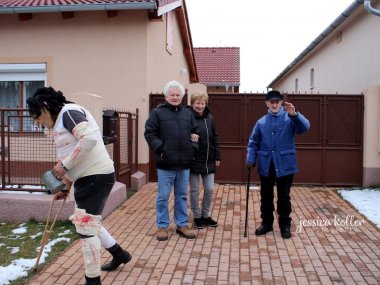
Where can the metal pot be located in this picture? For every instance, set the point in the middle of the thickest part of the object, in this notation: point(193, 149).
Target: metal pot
point(53, 184)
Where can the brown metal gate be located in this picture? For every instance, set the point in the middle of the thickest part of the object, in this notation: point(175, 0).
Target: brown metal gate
point(331, 153)
point(125, 149)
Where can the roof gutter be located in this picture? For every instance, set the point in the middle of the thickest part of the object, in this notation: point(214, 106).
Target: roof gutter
point(73, 8)
point(222, 84)
point(342, 17)
point(368, 7)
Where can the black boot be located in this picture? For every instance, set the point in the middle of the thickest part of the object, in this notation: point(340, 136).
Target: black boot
point(93, 281)
point(263, 229)
point(119, 256)
point(285, 232)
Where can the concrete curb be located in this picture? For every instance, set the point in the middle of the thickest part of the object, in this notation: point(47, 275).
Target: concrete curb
point(18, 208)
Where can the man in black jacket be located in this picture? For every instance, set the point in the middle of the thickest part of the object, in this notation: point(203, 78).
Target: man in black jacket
point(171, 133)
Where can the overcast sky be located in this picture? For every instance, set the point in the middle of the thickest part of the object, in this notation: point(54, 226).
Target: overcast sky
point(270, 33)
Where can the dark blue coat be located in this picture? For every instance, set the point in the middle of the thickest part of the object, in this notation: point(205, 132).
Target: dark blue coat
point(168, 131)
point(273, 138)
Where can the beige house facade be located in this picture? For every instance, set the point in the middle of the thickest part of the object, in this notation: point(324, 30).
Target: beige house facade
point(121, 55)
point(344, 59)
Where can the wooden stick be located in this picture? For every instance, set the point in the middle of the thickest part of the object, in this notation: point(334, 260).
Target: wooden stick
point(247, 200)
point(46, 235)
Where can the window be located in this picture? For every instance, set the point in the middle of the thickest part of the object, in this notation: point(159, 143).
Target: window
point(169, 31)
point(312, 79)
point(17, 83)
point(296, 86)
point(339, 36)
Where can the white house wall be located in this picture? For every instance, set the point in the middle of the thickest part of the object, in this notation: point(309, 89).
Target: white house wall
point(160, 60)
point(346, 67)
point(121, 59)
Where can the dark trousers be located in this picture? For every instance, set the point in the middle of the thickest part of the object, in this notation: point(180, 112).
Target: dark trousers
point(91, 192)
point(284, 206)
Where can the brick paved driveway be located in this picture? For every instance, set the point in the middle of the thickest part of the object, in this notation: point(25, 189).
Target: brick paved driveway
point(336, 245)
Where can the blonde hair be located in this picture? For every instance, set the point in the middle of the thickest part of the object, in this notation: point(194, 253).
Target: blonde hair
point(198, 96)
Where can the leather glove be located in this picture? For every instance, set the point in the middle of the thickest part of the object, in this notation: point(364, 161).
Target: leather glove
point(250, 165)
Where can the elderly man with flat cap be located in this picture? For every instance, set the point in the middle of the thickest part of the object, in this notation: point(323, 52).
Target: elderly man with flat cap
point(272, 147)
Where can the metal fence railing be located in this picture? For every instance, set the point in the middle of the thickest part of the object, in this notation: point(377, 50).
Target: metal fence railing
point(26, 150)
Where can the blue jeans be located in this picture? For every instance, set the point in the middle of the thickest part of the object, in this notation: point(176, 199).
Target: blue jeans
point(166, 180)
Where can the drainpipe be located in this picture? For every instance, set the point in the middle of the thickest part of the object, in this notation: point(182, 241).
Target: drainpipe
point(368, 7)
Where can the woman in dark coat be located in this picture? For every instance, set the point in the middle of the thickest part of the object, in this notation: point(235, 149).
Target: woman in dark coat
point(205, 161)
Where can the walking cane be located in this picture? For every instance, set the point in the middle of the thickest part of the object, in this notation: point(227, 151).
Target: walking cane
point(47, 231)
point(246, 205)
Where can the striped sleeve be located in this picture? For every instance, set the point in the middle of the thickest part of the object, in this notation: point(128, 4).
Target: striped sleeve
point(71, 118)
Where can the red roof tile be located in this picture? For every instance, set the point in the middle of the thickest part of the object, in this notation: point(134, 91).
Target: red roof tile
point(218, 66)
point(43, 3)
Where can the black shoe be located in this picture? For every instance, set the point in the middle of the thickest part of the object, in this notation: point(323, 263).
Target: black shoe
point(198, 223)
point(92, 281)
point(285, 232)
point(263, 229)
point(209, 222)
point(119, 256)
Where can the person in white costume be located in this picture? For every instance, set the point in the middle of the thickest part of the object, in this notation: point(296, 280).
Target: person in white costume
point(84, 161)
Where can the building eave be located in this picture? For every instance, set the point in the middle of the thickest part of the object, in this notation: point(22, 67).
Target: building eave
point(187, 42)
point(77, 7)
